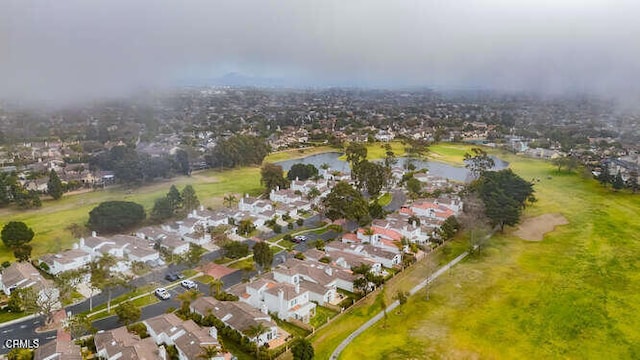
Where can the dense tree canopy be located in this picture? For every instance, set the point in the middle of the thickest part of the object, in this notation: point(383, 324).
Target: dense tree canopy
point(478, 161)
point(302, 349)
point(372, 177)
point(237, 150)
point(54, 185)
point(345, 202)
point(15, 234)
point(302, 172)
point(190, 200)
point(272, 177)
point(262, 255)
point(115, 216)
point(504, 195)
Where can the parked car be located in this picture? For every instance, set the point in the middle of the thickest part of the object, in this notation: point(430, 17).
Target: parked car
point(299, 239)
point(173, 277)
point(188, 284)
point(163, 294)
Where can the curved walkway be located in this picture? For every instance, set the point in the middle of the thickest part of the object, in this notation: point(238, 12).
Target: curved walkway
point(380, 315)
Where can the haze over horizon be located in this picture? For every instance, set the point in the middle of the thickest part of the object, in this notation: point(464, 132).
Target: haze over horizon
point(74, 50)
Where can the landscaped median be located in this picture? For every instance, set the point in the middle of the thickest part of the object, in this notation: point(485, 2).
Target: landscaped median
point(140, 297)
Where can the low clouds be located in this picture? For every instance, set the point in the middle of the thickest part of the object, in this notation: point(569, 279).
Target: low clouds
point(72, 50)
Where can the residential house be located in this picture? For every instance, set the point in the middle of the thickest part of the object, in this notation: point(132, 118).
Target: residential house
point(121, 344)
point(187, 336)
point(239, 316)
point(22, 275)
point(62, 348)
point(74, 259)
point(283, 299)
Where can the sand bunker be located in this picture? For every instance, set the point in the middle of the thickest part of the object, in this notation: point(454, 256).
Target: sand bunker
point(533, 229)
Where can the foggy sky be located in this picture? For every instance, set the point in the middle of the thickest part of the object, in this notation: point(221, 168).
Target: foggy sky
point(69, 50)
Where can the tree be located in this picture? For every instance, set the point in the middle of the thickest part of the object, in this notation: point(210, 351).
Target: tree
point(246, 227)
point(54, 186)
point(79, 325)
point(237, 150)
point(215, 286)
point(190, 200)
point(174, 197)
point(208, 352)
point(128, 313)
point(356, 154)
point(101, 277)
point(67, 282)
point(230, 200)
point(474, 220)
point(402, 297)
point(262, 255)
point(22, 252)
point(15, 234)
point(272, 177)
point(254, 331)
point(605, 175)
point(376, 211)
point(414, 186)
point(162, 210)
point(302, 171)
point(449, 228)
point(302, 349)
point(568, 162)
point(372, 177)
point(478, 161)
point(345, 202)
point(632, 182)
point(504, 195)
point(115, 216)
point(617, 182)
point(235, 249)
point(20, 354)
point(313, 193)
point(43, 302)
point(194, 254)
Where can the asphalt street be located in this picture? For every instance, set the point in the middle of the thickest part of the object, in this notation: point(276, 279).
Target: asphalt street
point(25, 329)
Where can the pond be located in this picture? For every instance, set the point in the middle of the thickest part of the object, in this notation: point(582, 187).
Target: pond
point(435, 168)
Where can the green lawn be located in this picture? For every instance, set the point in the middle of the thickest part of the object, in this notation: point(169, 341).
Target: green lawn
point(6, 315)
point(327, 339)
point(574, 295)
point(323, 314)
point(385, 199)
point(297, 153)
point(451, 153)
point(50, 221)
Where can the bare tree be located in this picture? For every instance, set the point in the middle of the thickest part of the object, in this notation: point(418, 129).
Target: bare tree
point(474, 221)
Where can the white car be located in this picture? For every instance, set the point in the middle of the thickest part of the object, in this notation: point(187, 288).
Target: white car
point(189, 284)
point(299, 239)
point(163, 294)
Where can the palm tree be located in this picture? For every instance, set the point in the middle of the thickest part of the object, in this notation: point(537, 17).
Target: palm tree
point(254, 331)
point(369, 232)
point(208, 352)
point(215, 286)
point(229, 200)
point(186, 298)
point(313, 193)
point(414, 220)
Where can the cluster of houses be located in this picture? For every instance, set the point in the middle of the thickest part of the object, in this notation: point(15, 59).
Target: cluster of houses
point(294, 289)
point(189, 339)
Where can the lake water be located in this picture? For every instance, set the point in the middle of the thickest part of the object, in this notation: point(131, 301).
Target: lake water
point(435, 168)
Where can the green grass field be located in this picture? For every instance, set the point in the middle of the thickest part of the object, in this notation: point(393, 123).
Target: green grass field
point(574, 295)
point(51, 220)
